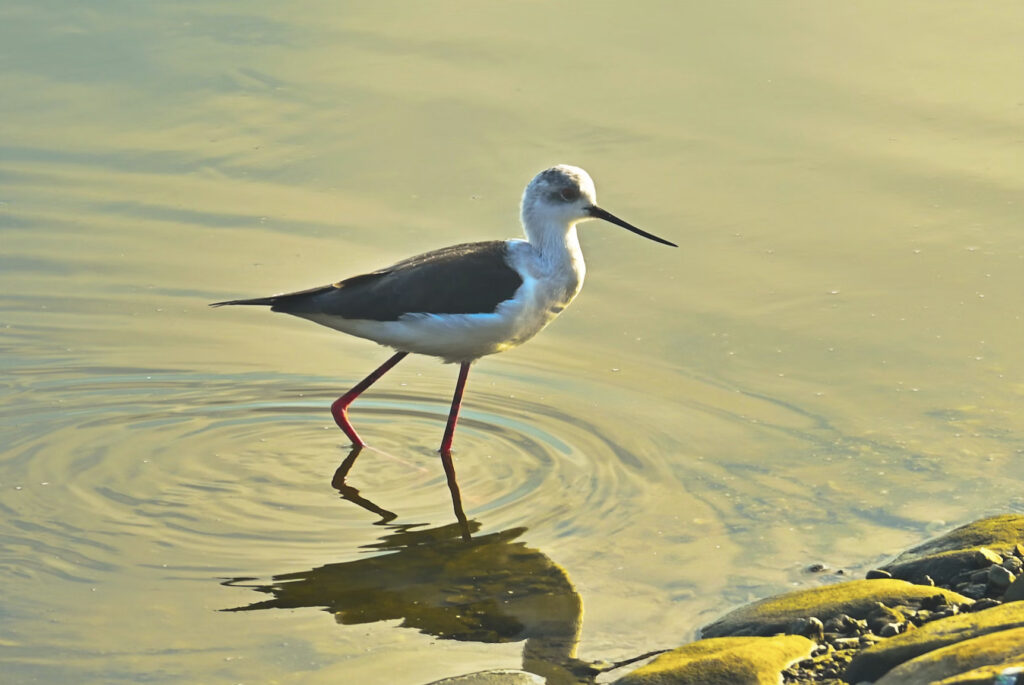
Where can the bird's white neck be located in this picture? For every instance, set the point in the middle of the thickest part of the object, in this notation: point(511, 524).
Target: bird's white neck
point(557, 251)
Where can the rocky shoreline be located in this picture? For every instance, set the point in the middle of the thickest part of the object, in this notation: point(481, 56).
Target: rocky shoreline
point(947, 612)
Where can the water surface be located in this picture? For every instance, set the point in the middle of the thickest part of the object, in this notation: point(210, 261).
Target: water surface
point(827, 370)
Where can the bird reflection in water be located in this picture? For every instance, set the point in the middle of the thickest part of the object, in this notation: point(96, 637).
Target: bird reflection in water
point(490, 588)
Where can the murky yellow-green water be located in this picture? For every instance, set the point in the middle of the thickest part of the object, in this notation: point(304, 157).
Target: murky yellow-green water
point(828, 369)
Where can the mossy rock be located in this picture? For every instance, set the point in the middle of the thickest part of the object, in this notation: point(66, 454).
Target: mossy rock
point(875, 661)
point(968, 547)
point(1015, 592)
point(724, 661)
point(493, 677)
point(993, 649)
point(857, 598)
point(987, 675)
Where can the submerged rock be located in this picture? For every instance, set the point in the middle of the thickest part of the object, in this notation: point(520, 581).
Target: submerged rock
point(724, 661)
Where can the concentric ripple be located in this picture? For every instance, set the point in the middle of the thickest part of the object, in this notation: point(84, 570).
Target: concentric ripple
point(109, 467)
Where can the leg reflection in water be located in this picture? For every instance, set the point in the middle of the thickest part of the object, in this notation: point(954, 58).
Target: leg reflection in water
point(351, 494)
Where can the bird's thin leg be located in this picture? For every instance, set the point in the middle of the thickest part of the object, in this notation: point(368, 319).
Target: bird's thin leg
point(446, 450)
point(453, 416)
point(339, 410)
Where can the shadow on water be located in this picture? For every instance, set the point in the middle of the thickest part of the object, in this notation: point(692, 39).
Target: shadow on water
point(444, 582)
point(489, 589)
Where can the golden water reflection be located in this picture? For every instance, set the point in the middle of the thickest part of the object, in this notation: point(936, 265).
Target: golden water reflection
point(491, 588)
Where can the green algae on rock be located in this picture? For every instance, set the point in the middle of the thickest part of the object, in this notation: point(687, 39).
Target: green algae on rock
point(969, 547)
point(993, 649)
point(1006, 673)
point(493, 677)
point(857, 599)
point(724, 661)
point(875, 661)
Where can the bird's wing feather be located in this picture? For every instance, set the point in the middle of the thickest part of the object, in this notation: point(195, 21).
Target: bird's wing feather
point(471, 278)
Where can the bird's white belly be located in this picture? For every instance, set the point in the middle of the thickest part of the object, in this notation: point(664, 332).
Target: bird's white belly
point(465, 337)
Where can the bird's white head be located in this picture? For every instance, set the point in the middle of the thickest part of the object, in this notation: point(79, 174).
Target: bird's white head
point(560, 197)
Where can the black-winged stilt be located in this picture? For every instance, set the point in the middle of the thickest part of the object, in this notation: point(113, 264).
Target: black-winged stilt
point(463, 302)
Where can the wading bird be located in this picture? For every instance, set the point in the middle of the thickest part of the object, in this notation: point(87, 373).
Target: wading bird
point(463, 302)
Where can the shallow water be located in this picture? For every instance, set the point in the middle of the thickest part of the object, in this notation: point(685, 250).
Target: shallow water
point(827, 370)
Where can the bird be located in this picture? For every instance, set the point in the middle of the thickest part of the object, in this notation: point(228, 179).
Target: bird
point(466, 301)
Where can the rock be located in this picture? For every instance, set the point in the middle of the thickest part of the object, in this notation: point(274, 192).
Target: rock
point(968, 547)
point(1015, 592)
point(985, 603)
point(811, 627)
point(493, 677)
point(973, 590)
point(1000, 577)
point(846, 625)
point(992, 649)
point(944, 567)
point(882, 616)
point(856, 598)
point(724, 661)
point(1007, 673)
point(875, 661)
point(877, 573)
point(892, 629)
point(1013, 564)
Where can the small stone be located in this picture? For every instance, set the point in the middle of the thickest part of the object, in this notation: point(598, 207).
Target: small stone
point(985, 603)
point(999, 577)
point(845, 624)
point(882, 616)
point(892, 629)
point(808, 627)
point(876, 573)
point(935, 602)
point(1013, 564)
point(927, 580)
point(817, 568)
point(981, 575)
point(974, 590)
point(846, 643)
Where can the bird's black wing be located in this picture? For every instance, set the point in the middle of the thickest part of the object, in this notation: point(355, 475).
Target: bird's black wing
point(472, 278)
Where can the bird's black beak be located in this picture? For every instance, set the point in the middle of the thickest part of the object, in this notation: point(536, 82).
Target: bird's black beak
point(599, 213)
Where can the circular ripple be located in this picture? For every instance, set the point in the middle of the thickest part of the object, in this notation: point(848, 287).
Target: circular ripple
point(173, 470)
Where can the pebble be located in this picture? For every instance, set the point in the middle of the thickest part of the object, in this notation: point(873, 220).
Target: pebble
point(1000, 577)
point(1013, 564)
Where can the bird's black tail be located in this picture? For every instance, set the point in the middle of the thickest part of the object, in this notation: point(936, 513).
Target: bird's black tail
point(264, 301)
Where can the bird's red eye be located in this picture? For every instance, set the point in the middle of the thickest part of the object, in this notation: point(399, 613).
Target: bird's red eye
point(569, 194)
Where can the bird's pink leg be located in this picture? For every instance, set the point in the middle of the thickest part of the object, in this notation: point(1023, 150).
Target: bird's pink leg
point(446, 450)
point(453, 417)
point(339, 410)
